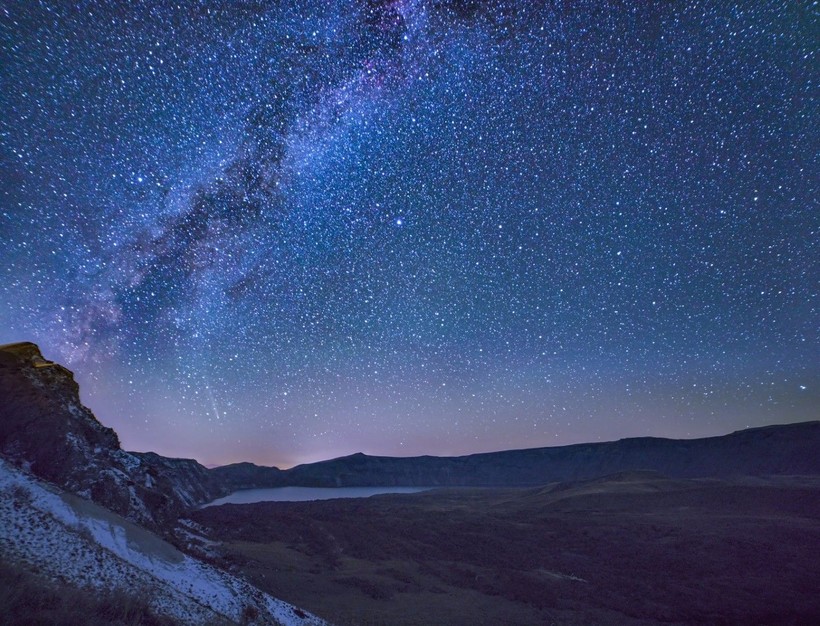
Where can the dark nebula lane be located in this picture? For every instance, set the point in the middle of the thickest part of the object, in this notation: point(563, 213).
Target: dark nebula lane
point(282, 232)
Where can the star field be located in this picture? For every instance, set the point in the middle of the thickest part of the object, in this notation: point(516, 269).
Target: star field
point(282, 232)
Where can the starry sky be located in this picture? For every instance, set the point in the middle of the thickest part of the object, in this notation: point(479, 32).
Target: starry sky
point(287, 231)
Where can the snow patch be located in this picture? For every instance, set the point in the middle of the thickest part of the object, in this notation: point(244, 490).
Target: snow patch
point(68, 537)
point(130, 462)
point(74, 441)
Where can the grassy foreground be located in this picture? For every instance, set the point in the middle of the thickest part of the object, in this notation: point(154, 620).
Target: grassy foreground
point(27, 598)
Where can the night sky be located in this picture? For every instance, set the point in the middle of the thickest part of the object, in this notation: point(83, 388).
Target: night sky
point(287, 231)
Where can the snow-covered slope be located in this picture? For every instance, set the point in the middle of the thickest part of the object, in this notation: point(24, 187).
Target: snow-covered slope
point(72, 539)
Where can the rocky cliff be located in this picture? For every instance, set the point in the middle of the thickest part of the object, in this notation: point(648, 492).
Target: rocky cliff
point(45, 429)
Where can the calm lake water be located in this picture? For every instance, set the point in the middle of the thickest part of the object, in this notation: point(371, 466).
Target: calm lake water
point(304, 494)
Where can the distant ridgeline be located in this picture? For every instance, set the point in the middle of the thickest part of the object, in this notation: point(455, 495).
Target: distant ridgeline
point(772, 450)
point(45, 428)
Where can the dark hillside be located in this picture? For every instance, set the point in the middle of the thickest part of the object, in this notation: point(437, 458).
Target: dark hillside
point(773, 450)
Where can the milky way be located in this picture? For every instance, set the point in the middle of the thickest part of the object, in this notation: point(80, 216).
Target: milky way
point(285, 231)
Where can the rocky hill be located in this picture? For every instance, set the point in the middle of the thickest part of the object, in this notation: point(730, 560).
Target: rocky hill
point(45, 429)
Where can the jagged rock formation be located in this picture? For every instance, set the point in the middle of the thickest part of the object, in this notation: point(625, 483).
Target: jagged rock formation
point(45, 429)
point(191, 483)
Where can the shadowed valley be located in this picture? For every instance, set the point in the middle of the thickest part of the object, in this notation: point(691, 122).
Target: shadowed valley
point(631, 549)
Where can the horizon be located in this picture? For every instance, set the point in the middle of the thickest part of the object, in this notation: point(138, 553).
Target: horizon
point(286, 234)
point(580, 443)
point(479, 452)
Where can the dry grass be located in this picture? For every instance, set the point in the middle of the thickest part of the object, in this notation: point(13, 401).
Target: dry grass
point(26, 598)
point(632, 550)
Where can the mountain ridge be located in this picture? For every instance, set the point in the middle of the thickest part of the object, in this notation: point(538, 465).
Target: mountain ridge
point(771, 449)
point(359, 455)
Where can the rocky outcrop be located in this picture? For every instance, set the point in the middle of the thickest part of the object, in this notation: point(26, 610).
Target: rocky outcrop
point(45, 428)
point(191, 482)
